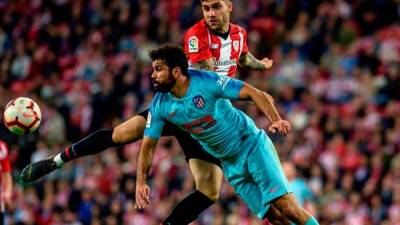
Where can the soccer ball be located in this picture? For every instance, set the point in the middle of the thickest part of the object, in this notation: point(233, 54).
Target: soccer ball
point(22, 115)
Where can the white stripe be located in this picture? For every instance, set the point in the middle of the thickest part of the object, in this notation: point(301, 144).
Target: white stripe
point(225, 53)
point(241, 41)
point(209, 38)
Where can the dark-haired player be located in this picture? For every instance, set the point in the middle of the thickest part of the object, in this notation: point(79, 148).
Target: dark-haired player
point(213, 44)
point(197, 101)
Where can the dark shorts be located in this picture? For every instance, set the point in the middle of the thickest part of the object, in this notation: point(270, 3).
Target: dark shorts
point(191, 147)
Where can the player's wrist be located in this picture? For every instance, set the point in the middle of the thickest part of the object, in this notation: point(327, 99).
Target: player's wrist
point(275, 119)
point(140, 182)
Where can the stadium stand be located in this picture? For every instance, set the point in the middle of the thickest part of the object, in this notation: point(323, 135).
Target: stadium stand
point(336, 77)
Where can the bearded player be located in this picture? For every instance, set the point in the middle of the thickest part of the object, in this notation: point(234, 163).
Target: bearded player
point(213, 44)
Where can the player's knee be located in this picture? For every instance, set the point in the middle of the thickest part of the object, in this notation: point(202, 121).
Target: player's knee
point(130, 130)
point(212, 194)
point(275, 217)
point(208, 178)
point(288, 206)
point(209, 186)
point(118, 135)
point(293, 212)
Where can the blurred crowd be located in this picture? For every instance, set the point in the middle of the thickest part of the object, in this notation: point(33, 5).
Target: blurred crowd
point(336, 77)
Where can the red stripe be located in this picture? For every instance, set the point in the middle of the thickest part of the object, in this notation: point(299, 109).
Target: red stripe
point(67, 152)
point(235, 37)
point(216, 53)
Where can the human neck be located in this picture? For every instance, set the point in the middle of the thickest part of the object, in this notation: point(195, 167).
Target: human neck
point(180, 88)
point(223, 32)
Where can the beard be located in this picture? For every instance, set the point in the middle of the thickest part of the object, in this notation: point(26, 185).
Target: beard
point(165, 87)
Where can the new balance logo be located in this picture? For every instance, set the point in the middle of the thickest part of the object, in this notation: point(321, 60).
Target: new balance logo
point(214, 46)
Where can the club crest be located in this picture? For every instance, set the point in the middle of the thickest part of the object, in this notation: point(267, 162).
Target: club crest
point(235, 45)
point(199, 101)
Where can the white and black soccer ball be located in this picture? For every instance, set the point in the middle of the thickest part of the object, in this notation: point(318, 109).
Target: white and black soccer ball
point(22, 115)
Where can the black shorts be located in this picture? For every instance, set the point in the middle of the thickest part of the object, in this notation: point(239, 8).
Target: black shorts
point(191, 147)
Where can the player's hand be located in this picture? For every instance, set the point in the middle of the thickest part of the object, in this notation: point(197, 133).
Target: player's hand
point(281, 126)
point(267, 63)
point(142, 196)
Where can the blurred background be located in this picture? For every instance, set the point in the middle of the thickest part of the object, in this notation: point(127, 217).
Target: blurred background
point(336, 77)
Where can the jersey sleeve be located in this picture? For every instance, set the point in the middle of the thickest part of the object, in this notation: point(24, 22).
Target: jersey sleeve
point(4, 161)
point(196, 45)
point(154, 122)
point(223, 86)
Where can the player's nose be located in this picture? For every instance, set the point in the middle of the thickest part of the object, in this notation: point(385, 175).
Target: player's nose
point(212, 13)
point(153, 75)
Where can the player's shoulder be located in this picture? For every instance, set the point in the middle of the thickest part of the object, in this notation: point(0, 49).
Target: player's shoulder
point(235, 28)
point(203, 75)
point(158, 100)
point(159, 97)
point(198, 29)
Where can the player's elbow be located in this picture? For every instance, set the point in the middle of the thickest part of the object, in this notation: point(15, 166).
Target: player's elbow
point(269, 97)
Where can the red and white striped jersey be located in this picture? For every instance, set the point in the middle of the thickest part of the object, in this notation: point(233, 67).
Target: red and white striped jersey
point(201, 44)
point(4, 161)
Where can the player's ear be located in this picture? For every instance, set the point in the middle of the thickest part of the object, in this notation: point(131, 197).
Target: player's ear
point(176, 71)
point(230, 6)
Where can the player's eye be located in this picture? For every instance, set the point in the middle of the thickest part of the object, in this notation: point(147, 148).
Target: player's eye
point(206, 8)
point(216, 6)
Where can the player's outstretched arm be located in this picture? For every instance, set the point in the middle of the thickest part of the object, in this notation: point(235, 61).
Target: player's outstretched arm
point(250, 62)
point(145, 162)
point(265, 103)
point(204, 65)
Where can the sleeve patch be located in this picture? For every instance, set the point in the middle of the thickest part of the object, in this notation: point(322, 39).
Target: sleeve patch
point(148, 121)
point(222, 81)
point(193, 44)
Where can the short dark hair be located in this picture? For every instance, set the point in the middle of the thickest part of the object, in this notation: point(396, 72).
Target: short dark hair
point(224, 0)
point(172, 55)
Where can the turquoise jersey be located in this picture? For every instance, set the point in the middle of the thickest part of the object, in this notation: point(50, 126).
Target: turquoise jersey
point(248, 156)
point(206, 113)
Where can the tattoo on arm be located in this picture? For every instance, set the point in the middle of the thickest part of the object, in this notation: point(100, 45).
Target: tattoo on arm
point(250, 62)
point(204, 65)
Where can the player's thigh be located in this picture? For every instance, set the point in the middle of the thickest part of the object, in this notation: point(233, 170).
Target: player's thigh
point(265, 169)
point(192, 149)
point(130, 130)
point(207, 176)
point(251, 194)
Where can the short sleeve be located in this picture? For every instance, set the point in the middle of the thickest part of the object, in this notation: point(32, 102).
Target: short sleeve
point(223, 86)
point(196, 45)
point(154, 122)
